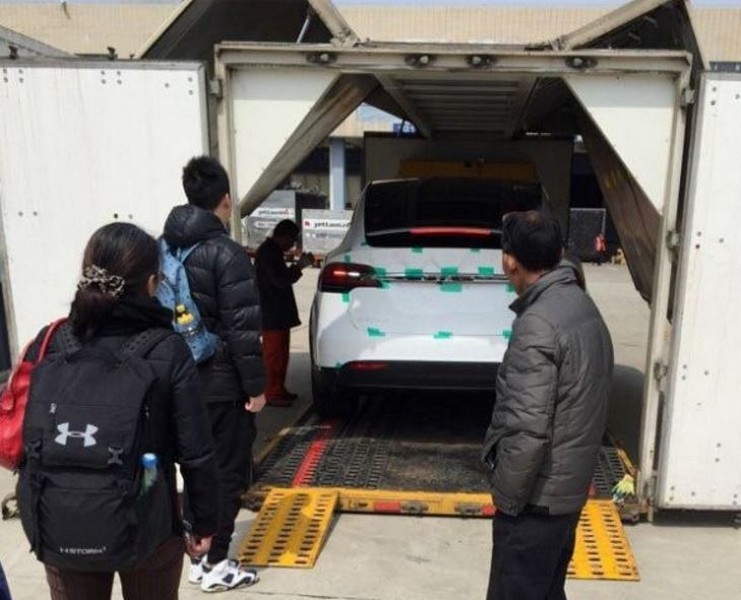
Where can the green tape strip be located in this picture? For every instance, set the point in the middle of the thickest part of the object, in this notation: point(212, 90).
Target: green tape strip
point(385, 285)
point(414, 273)
point(510, 288)
point(451, 286)
point(348, 258)
point(346, 298)
point(448, 271)
point(364, 244)
point(375, 332)
point(507, 334)
point(475, 250)
point(338, 365)
point(487, 271)
point(418, 250)
point(443, 335)
point(380, 271)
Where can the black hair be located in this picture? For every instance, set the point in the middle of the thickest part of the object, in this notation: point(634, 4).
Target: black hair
point(124, 251)
point(205, 182)
point(286, 228)
point(533, 238)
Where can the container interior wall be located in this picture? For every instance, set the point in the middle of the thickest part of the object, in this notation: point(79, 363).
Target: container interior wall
point(636, 219)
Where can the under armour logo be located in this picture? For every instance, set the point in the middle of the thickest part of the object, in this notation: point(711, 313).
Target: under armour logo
point(65, 434)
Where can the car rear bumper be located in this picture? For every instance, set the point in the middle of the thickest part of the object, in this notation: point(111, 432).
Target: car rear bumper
point(424, 375)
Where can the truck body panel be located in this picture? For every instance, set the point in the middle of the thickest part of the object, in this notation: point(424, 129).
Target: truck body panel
point(87, 144)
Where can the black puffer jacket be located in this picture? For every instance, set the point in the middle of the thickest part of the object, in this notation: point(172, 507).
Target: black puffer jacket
point(223, 286)
point(552, 391)
point(179, 422)
point(275, 280)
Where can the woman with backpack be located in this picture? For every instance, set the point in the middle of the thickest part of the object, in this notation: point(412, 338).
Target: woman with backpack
point(113, 405)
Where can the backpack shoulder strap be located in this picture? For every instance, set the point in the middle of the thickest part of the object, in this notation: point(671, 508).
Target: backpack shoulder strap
point(36, 349)
point(68, 342)
point(180, 254)
point(184, 253)
point(143, 343)
point(51, 330)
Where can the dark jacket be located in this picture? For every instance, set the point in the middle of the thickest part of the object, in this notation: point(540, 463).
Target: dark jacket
point(223, 286)
point(275, 281)
point(550, 411)
point(179, 422)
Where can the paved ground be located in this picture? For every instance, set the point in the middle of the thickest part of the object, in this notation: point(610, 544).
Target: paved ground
point(366, 557)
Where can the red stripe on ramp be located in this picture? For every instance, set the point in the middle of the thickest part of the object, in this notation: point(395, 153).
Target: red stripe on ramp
point(317, 448)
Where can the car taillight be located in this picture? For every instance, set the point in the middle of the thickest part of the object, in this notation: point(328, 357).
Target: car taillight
point(462, 231)
point(343, 277)
point(367, 365)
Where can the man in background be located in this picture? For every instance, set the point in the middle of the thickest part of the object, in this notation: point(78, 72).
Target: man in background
point(275, 281)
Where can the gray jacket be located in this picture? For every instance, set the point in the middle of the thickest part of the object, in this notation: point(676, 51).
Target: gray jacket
point(552, 393)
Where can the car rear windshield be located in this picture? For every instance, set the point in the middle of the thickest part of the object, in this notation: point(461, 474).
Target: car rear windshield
point(449, 213)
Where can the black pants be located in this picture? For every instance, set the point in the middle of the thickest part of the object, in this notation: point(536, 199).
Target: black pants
point(233, 429)
point(530, 556)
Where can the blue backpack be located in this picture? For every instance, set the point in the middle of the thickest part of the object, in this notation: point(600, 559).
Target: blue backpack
point(173, 292)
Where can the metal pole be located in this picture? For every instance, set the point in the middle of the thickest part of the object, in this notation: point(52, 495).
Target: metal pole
point(336, 174)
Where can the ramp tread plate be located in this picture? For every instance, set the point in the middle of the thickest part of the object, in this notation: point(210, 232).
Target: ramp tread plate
point(290, 528)
point(602, 550)
point(409, 446)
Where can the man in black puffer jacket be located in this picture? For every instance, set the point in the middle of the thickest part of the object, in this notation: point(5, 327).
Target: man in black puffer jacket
point(222, 283)
point(549, 415)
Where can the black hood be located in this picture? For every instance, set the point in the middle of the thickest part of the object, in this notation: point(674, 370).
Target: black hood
point(187, 225)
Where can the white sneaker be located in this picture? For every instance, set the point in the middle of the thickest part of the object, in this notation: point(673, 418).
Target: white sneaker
point(226, 575)
point(195, 573)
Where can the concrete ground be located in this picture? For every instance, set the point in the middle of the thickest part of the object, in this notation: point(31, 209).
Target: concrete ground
point(367, 557)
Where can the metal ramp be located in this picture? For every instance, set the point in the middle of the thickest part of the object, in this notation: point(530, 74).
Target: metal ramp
point(411, 444)
point(408, 455)
point(293, 523)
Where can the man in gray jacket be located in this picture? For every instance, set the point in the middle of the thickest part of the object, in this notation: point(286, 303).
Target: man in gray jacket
point(549, 416)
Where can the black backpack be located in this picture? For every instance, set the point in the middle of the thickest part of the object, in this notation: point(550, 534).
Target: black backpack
point(81, 494)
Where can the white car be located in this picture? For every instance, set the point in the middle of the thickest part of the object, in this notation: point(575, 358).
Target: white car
point(414, 296)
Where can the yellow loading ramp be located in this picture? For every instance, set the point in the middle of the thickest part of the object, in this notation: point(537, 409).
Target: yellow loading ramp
point(293, 523)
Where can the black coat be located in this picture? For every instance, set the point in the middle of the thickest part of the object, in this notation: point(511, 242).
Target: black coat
point(178, 418)
point(275, 281)
point(223, 286)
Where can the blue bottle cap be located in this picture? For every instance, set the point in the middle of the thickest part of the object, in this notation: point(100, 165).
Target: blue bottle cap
point(149, 460)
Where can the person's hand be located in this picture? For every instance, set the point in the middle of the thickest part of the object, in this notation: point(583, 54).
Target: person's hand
point(196, 546)
point(255, 404)
point(306, 259)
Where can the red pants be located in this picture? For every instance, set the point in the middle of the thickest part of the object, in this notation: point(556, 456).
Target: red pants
point(276, 347)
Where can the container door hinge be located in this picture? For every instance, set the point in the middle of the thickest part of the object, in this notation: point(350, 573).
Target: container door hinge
point(688, 97)
point(215, 88)
point(672, 240)
point(660, 370)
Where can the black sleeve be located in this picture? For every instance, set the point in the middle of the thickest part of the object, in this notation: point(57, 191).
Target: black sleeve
point(241, 320)
point(275, 272)
point(195, 446)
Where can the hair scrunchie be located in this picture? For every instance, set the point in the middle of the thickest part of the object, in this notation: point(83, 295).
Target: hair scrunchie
point(111, 285)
